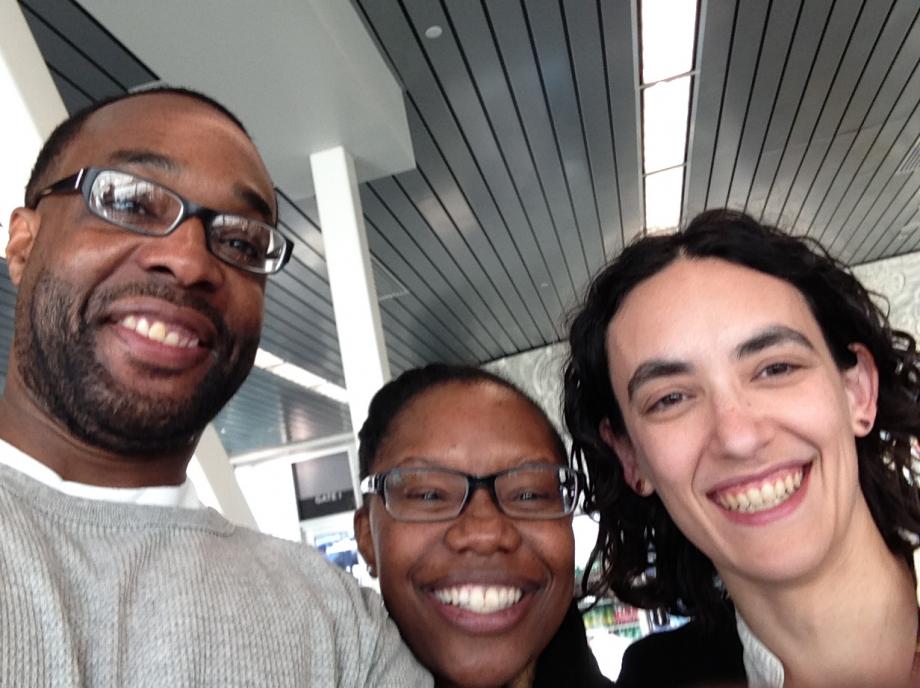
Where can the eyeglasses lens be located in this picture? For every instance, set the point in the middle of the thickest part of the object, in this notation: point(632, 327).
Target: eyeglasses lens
point(532, 493)
point(134, 203)
point(244, 242)
point(425, 495)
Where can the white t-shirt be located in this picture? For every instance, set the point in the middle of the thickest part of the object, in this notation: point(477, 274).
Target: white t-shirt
point(763, 668)
point(183, 496)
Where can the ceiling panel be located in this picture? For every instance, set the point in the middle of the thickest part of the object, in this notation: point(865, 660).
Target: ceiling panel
point(803, 116)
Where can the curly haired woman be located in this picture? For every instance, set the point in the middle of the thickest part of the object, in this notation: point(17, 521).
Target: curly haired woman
point(745, 414)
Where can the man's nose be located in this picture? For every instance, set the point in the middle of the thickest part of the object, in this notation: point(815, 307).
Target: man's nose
point(184, 255)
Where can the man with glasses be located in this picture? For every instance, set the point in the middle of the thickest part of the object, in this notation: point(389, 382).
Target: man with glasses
point(140, 258)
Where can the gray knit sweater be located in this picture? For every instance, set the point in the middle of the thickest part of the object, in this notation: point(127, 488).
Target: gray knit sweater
point(103, 594)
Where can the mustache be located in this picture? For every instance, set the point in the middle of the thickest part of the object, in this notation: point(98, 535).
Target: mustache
point(101, 299)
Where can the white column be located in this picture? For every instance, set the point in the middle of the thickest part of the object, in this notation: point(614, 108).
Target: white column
point(269, 488)
point(215, 481)
point(31, 105)
point(351, 279)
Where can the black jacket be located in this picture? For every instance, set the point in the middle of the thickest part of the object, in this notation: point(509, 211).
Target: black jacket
point(688, 656)
point(567, 662)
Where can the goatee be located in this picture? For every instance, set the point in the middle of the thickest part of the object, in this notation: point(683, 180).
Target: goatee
point(55, 345)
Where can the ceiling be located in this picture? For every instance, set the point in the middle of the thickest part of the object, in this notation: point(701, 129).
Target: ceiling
point(525, 124)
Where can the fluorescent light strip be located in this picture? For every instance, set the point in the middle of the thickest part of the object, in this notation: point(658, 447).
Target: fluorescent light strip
point(664, 124)
point(663, 195)
point(668, 28)
point(667, 38)
point(299, 376)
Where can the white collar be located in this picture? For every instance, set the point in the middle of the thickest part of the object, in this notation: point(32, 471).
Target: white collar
point(183, 495)
point(763, 668)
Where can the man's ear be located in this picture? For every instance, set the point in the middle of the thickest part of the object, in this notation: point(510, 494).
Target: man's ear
point(365, 539)
point(861, 383)
point(24, 226)
point(623, 448)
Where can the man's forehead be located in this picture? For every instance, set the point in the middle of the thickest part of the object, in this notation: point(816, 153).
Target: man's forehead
point(176, 128)
point(164, 117)
point(174, 103)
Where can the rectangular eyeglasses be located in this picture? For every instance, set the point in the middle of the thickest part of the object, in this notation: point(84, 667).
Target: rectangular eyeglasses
point(536, 491)
point(145, 207)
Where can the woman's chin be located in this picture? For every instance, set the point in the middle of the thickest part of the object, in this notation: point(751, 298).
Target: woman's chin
point(480, 676)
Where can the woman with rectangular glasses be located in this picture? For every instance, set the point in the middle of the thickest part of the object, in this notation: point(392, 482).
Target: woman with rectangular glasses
point(467, 523)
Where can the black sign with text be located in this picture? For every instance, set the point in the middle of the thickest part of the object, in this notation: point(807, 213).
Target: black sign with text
point(323, 486)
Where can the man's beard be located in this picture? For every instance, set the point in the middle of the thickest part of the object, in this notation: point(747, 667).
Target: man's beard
point(55, 345)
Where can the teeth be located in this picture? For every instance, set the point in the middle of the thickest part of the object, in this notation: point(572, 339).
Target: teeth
point(158, 331)
point(766, 496)
point(480, 599)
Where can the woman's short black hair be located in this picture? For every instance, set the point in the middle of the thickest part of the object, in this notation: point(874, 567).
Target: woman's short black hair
point(645, 559)
point(395, 395)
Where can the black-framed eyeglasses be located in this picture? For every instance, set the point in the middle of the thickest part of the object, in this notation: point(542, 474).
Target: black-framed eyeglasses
point(534, 491)
point(146, 207)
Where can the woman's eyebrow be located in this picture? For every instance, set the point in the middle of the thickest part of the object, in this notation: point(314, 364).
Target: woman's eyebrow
point(655, 368)
point(771, 336)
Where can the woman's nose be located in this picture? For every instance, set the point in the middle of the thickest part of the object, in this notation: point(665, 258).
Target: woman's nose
point(482, 527)
point(740, 428)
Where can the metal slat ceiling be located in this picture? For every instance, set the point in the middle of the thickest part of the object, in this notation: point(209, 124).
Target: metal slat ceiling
point(526, 126)
point(803, 115)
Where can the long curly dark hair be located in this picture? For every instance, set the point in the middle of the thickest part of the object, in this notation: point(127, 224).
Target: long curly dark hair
point(645, 559)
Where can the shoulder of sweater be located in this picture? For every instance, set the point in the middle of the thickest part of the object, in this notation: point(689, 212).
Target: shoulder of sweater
point(239, 549)
point(315, 570)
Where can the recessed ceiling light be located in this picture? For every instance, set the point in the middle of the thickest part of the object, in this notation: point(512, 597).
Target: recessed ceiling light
point(433, 31)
